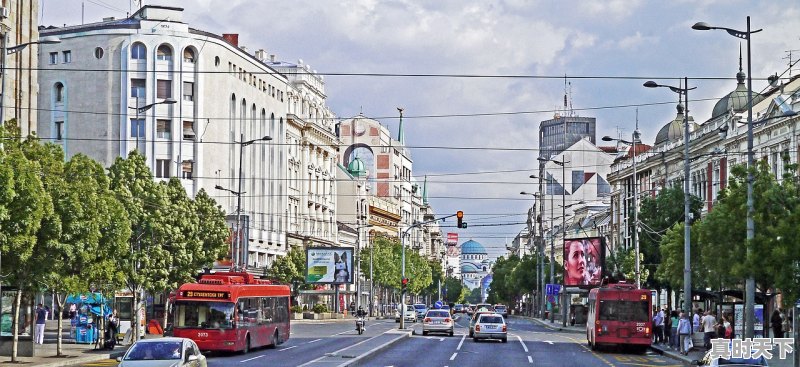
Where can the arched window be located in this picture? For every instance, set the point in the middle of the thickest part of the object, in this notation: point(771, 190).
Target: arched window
point(164, 53)
point(138, 51)
point(59, 92)
point(188, 55)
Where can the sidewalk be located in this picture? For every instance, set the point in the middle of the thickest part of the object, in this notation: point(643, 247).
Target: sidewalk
point(556, 325)
point(73, 353)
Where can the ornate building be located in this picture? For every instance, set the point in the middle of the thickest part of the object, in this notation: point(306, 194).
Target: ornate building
point(475, 264)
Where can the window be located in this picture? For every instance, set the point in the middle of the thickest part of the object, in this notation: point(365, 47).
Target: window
point(164, 53)
point(188, 55)
point(98, 53)
point(59, 92)
point(162, 168)
point(137, 128)
point(186, 169)
point(53, 58)
point(138, 52)
point(59, 130)
point(163, 129)
point(188, 130)
point(188, 91)
point(164, 89)
point(138, 88)
point(67, 56)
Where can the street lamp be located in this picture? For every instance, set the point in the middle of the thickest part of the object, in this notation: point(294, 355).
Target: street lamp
point(5, 50)
point(143, 109)
point(687, 271)
point(358, 264)
point(750, 283)
point(632, 143)
point(539, 254)
point(561, 163)
point(238, 244)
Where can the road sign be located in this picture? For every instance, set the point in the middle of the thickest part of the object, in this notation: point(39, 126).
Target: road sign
point(437, 305)
point(552, 289)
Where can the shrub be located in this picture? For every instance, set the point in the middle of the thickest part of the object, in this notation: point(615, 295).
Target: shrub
point(320, 308)
point(296, 309)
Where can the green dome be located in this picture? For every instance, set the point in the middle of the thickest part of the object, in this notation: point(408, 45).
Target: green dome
point(356, 167)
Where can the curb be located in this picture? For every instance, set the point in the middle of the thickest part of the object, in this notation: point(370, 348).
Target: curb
point(554, 326)
point(670, 354)
point(354, 362)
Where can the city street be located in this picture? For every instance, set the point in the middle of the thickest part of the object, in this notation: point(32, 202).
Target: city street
point(528, 344)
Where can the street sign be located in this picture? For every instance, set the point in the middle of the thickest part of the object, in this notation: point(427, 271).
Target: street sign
point(437, 305)
point(552, 289)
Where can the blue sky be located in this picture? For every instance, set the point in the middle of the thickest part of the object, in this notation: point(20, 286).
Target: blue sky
point(501, 69)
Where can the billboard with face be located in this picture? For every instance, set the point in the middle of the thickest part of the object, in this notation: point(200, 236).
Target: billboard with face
point(333, 265)
point(584, 261)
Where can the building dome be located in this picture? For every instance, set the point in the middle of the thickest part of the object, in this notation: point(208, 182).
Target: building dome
point(472, 247)
point(673, 130)
point(468, 268)
point(736, 100)
point(356, 167)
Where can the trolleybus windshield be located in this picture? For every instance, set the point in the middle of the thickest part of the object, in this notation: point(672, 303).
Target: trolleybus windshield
point(613, 310)
point(203, 315)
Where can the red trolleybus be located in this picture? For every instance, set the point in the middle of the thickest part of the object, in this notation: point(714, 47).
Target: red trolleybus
point(232, 312)
point(619, 314)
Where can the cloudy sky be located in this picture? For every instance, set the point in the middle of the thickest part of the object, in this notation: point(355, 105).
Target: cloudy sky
point(475, 78)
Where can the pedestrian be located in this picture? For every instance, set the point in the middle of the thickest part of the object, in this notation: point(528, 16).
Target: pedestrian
point(728, 328)
point(41, 319)
point(685, 333)
point(667, 327)
point(707, 322)
point(658, 322)
point(696, 320)
point(776, 321)
point(675, 322)
point(73, 310)
point(787, 323)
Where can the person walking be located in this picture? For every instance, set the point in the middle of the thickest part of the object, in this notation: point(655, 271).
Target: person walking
point(708, 322)
point(674, 322)
point(41, 319)
point(658, 324)
point(776, 321)
point(685, 333)
point(696, 320)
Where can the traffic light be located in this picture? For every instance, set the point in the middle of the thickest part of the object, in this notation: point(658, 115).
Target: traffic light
point(404, 282)
point(460, 217)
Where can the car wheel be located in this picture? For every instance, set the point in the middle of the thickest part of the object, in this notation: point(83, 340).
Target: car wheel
point(451, 332)
point(424, 332)
point(246, 344)
point(471, 334)
point(505, 340)
point(474, 339)
point(276, 340)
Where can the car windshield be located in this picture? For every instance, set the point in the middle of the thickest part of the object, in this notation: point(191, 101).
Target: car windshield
point(499, 308)
point(409, 308)
point(491, 320)
point(419, 307)
point(438, 314)
point(154, 351)
point(203, 315)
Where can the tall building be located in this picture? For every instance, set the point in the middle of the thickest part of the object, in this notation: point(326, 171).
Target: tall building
point(20, 87)
point(106, 91)
point(560, 132)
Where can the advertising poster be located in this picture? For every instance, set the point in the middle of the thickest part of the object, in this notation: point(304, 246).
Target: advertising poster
point(758, 328)
point(332, 265)
point(738, 319)
point(584, 260)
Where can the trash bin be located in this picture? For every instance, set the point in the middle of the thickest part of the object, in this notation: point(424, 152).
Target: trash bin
point(84, 334)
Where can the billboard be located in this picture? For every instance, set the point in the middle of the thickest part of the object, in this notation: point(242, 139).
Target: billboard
point(452, 239)
point(584, 261)
point(332, 265)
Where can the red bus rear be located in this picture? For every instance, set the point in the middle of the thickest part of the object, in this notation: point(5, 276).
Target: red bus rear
point(619, 314)
point(232, 312)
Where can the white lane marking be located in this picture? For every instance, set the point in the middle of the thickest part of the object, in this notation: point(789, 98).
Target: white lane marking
point(314, 341)
point(287, 348)
point(454, 356)
point(461, 342)
point(530, 360)
point(523, 344)
point(250, 359)
point(548, 342)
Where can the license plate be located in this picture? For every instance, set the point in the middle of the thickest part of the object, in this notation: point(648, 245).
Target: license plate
point(437, 322)
point(491, 327)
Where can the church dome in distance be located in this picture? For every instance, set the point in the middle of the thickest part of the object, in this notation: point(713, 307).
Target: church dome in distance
point(472, 247)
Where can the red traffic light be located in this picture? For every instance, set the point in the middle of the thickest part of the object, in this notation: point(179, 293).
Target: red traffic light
point(405, 281)
point(459, 214)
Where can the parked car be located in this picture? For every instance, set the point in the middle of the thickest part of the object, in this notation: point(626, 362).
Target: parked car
point(410, 314)
point(458, 308)
point(437, 321)
point(484, 307)
point(501, 309)
point(421, 310)
point(166, 352)
point(490, 326)
point(474, 319)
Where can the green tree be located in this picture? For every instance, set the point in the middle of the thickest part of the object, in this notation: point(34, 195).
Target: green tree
point(290, 269)
point(453, 291)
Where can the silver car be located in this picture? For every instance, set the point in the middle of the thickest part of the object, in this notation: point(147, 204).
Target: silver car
point(166, 352)
point(410, 314)
point(437, 321)
point(490, 326)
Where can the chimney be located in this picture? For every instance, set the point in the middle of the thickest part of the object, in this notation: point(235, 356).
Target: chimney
point(232, 38)
point(272, 58)
point(261, 54)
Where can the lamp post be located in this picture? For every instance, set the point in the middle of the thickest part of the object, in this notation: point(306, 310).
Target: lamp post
point(632, 143)
point(358, 264)
point(143, 109)
point(5, 50)
point(750, 283)
point(539, 256)
point(237, 247)
point(687, 271)
point(561, 163)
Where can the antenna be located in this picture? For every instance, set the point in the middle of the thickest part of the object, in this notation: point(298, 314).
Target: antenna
point(789, 57)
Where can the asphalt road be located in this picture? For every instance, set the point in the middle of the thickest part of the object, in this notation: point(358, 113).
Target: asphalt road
point(529, 344)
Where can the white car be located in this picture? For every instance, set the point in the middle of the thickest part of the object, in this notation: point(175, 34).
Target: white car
point(163, 352)
point(410, 314)
point(490, 326)
point(437, 321)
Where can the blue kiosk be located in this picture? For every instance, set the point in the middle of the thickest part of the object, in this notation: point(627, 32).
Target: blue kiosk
point(89, 306)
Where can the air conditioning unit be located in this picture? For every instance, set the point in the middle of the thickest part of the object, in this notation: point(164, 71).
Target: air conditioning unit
point(3, 12)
